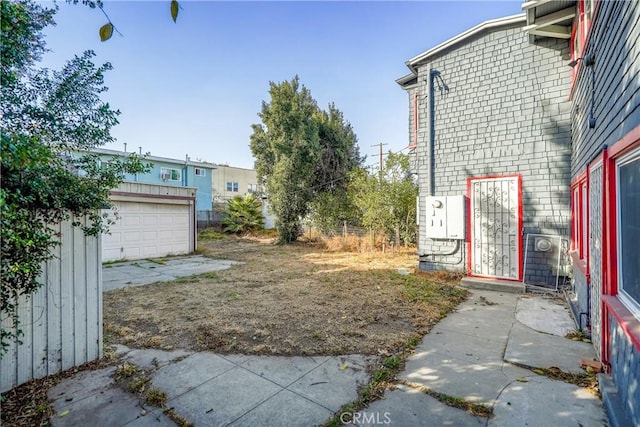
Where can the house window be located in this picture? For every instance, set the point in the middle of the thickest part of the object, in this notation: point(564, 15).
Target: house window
point(580, 214)
point(585, 10)
point(628, 230)
point(577, 40)
point(201, 172)
point(588, 16)
point(252, 188)
point(416, 116)
point(232, 186)
point(584, 220)
point(168, 174)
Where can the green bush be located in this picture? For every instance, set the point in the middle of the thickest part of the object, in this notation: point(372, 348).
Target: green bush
point(243, 214)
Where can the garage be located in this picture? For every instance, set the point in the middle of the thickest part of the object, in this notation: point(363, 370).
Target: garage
point(151, 221)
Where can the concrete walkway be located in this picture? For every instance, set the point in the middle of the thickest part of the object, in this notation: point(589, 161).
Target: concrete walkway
point(475, 353)
point(214, 390)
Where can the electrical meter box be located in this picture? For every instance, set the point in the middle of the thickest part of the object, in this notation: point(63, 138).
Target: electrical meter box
point(444, 217)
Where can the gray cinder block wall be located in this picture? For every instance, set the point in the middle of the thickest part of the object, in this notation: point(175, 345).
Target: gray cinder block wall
point(501, 107)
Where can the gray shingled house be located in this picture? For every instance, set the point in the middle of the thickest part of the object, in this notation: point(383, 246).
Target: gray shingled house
point(525, 137)
point(490, 131)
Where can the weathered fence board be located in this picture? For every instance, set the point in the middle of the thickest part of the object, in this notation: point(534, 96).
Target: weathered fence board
point(62, 322)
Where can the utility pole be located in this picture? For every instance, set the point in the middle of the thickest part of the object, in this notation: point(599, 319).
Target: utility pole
point(381, 164)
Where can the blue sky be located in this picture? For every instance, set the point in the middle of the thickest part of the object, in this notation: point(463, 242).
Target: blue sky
point(195, 87)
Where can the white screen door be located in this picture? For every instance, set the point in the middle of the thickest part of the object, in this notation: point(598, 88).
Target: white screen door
point(496, 224)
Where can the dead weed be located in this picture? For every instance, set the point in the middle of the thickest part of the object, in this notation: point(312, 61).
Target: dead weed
point(284, 299)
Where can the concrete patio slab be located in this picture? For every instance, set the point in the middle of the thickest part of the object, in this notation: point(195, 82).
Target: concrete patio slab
point(335, 382)
point(223, 399)
point(461, 357)
point(152, 419)
point(190, 373)
point(545, 402)
point(93, 395)
point(144, 272)
point(405, 406)
point(530, 348)
point(283, 370)
point(545, 314)
point(486, 315)
point(285, 409)
point(474, 382)
point(237, 359)
point(85, 384)
point(469, 348)
point(491, 326)
point(150, 359)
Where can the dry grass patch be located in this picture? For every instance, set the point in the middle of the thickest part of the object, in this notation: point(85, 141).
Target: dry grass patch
point(294, 299)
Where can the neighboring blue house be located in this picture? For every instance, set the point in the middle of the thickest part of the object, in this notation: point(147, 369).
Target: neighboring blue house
point(172, 172)
point(155, 214)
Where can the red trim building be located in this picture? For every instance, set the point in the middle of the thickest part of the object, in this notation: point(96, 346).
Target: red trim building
point(490, 143)
point(551, 97)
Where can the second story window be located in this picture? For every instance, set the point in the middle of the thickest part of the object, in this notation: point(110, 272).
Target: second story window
point(168, 174)
point(585, 10)
point(232, 186)
point(201, 172)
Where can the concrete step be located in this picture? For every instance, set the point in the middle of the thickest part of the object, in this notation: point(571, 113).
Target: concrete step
point(493, 285)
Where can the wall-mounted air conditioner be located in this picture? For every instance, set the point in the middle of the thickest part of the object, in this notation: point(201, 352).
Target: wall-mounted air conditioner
point(165, 176)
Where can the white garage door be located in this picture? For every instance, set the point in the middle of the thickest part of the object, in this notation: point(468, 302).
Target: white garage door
point(147, 230)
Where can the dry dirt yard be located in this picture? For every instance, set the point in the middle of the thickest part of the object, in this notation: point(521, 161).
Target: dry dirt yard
point(299, 299)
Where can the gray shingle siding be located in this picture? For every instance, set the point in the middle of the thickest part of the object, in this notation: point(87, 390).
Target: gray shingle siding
point(506, 111)
point(625, 370)
point(615, 43)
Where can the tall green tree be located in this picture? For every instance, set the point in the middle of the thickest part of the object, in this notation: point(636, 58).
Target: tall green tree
point(286, 147)
point(302, 153)
point(331, 205)
point(339, 151)
point(402, 192)
point(386, 200)
point(47, 117)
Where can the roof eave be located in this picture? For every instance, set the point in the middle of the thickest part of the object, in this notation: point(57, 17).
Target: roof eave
point(478, 29)
point(149, 157)
point(550, 19)
point(408, 80)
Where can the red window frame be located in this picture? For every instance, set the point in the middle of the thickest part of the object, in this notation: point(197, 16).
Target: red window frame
point(577, 39)
point(612, 305)
point(581, 34)
point(580, 221)
point(414, 143)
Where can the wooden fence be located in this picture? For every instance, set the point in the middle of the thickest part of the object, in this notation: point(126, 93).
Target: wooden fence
point(62, 322)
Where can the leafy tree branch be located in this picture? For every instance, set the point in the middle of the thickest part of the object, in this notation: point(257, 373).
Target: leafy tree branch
point(49, 119)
